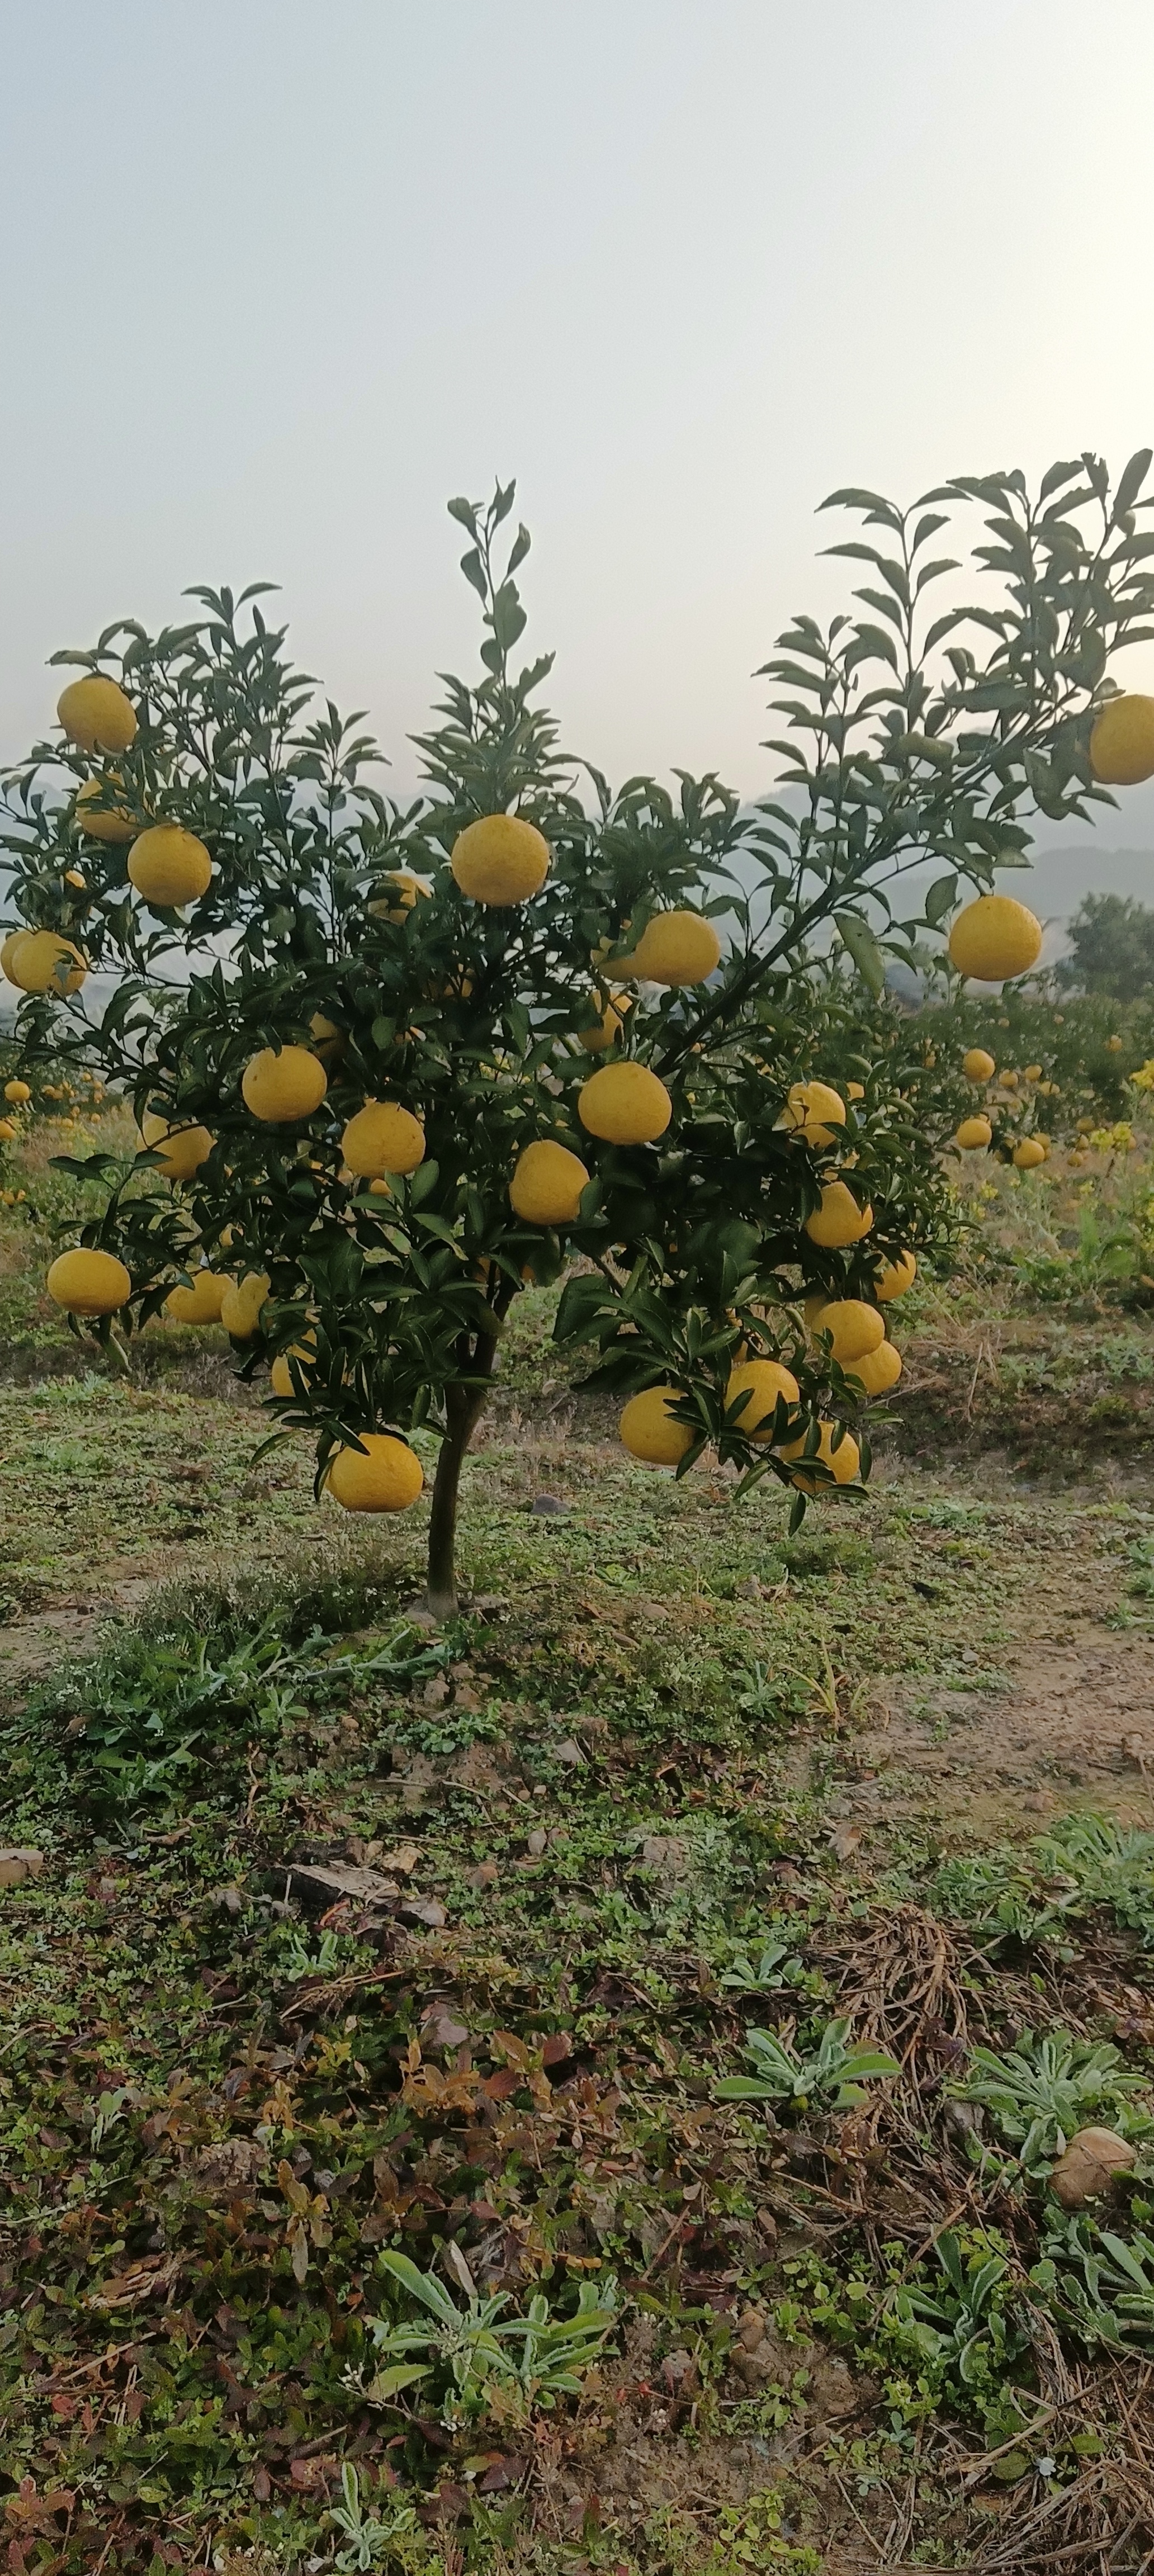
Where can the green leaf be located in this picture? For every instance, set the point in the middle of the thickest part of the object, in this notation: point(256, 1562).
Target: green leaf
point(857, 936)
point(940, 900)
point(389, 2383)
point(1130, 481)
point(1056, 475)
point(850, 497)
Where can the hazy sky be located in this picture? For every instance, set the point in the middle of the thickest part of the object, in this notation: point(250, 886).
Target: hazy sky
point(281, 275)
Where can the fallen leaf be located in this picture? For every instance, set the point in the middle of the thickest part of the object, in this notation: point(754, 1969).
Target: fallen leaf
point(425, 1909)
point(403, 1860)
point(569, 1752)
point(502, 2473)
point(844, 1839)
point(316, 1888)
point(440, 2028)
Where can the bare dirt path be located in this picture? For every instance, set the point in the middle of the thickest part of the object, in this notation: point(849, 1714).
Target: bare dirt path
point(1075, 1728)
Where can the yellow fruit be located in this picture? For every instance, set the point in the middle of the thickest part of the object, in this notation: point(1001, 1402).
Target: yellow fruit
point(812, 1308)
point(855, 1091)
point(280, 1374)
point(8, 950)
point(241, 1304)
point(281, 1087)
point(547, 1184)
point(676, 948)
point(1033, 1073)
point(648, 1429)
point(8, 1129)
point(89, 1283)
point(812, 1110)
point(603, 1032)
point(500, 860)
point(184, 1148)
point(1122, 742)
point(896, 1277)
point(624, 1104)
point(977, 1065)
point(96, 714)
point(330, 1041)
point(878, 1370)
point(17, 1092)
point(762, 1382)
point(995, 938)
point(842, 1462)
point(973, 1134)
point(388, 1479)
point(38, 961)
point(1029, 1153)
point(169, 866)
point(1009, 1081)
point(852, 1328)
point(1114, 1046)
point(99, 820)
point(838, 1220)
point(400, 890)
point(200, 1304)
point(379, 1189)
point(381, 1138)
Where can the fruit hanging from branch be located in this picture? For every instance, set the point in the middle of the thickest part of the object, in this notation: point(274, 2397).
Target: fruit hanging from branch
point(357, 1033)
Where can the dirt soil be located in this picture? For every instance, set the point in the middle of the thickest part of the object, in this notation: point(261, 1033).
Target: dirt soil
point(1077, 1717)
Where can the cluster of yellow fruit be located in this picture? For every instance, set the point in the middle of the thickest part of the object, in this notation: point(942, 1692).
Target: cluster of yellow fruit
point(974, 1134)
point(499, 861)
point(850, 1331)
point(168, 866)
point(17, 1094)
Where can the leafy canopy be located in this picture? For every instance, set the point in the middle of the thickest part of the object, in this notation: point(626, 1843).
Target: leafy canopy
point(915, 728)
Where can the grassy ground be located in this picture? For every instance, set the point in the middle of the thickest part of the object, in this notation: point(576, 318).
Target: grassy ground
point(672, 1777)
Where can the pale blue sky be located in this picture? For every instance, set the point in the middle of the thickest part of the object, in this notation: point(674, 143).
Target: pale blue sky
point(280, 275)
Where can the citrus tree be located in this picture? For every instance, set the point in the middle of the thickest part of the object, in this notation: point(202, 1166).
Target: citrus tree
point(391, 1061)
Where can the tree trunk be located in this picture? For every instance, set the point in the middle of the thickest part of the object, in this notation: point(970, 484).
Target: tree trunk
point(464, 1406)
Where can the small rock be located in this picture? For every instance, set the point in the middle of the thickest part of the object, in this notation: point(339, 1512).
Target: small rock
point(536, 1843)
point(18, 1863)
point(1090, 2166)
point(570, 1752)
point(548, 1507)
